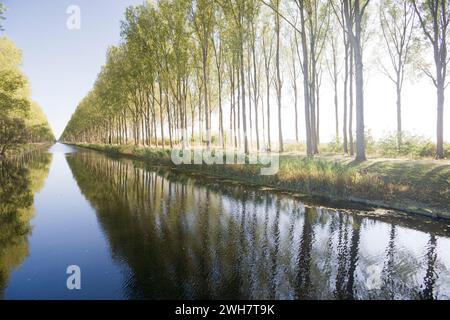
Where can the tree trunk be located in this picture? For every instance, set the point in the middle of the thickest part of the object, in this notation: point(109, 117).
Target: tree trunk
point(238, 75)
point(399, 117)
point(309, 147)
point(269, 141)
point(336, 100)
point(312, 98)
point(296, 112)
point(360, 143)
point(279, 84)
point(221, 133)
point(350, 115)
point(344, 123)
point(249, 86)
point(205, 96)
point(318, 113)
point(255, 90)
point(440, 121)
point(161, 115)
point(244, 115)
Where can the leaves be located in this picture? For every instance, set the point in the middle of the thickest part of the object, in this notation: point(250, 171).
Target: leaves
point(21, 120)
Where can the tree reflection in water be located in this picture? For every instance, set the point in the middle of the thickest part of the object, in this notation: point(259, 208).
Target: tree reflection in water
point(20, 179)
point(185, 238)
point(430, 275)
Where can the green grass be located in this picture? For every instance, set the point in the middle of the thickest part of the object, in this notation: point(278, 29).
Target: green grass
point(421, 187)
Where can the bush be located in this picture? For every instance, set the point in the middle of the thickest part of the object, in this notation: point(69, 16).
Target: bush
point(371, 144)
point(112, 149)
point(412, 145)
point(334, 146)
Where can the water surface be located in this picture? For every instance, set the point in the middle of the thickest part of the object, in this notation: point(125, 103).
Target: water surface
point(146, 233)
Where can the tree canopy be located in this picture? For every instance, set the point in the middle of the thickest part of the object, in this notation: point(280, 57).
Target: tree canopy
point(21, 120)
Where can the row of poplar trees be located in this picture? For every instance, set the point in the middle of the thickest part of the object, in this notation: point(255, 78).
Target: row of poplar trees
point(188, 68)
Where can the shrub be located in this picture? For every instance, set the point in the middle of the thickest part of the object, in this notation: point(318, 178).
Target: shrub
point(412, 145)
point(334, 146)
point(371, 144)
point(112, 149)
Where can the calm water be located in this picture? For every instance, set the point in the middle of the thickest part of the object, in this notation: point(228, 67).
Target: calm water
point(140, 233)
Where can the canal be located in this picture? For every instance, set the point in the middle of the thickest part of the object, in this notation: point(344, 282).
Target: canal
point(139, 232)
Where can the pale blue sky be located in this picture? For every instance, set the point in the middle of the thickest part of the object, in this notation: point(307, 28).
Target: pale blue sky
point(62, 64)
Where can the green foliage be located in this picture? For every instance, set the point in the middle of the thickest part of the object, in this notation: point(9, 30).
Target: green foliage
point(334, 146)
point(153, 75)
point(371, 144)
point(38, 127)
point(12, 133)
point(12, 84)
point(412, 145)
point(21, 121)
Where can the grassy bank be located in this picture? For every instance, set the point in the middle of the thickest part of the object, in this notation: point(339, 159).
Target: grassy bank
point(414, 186)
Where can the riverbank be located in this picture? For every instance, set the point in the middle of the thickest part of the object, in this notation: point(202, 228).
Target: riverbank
point(414, 186)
